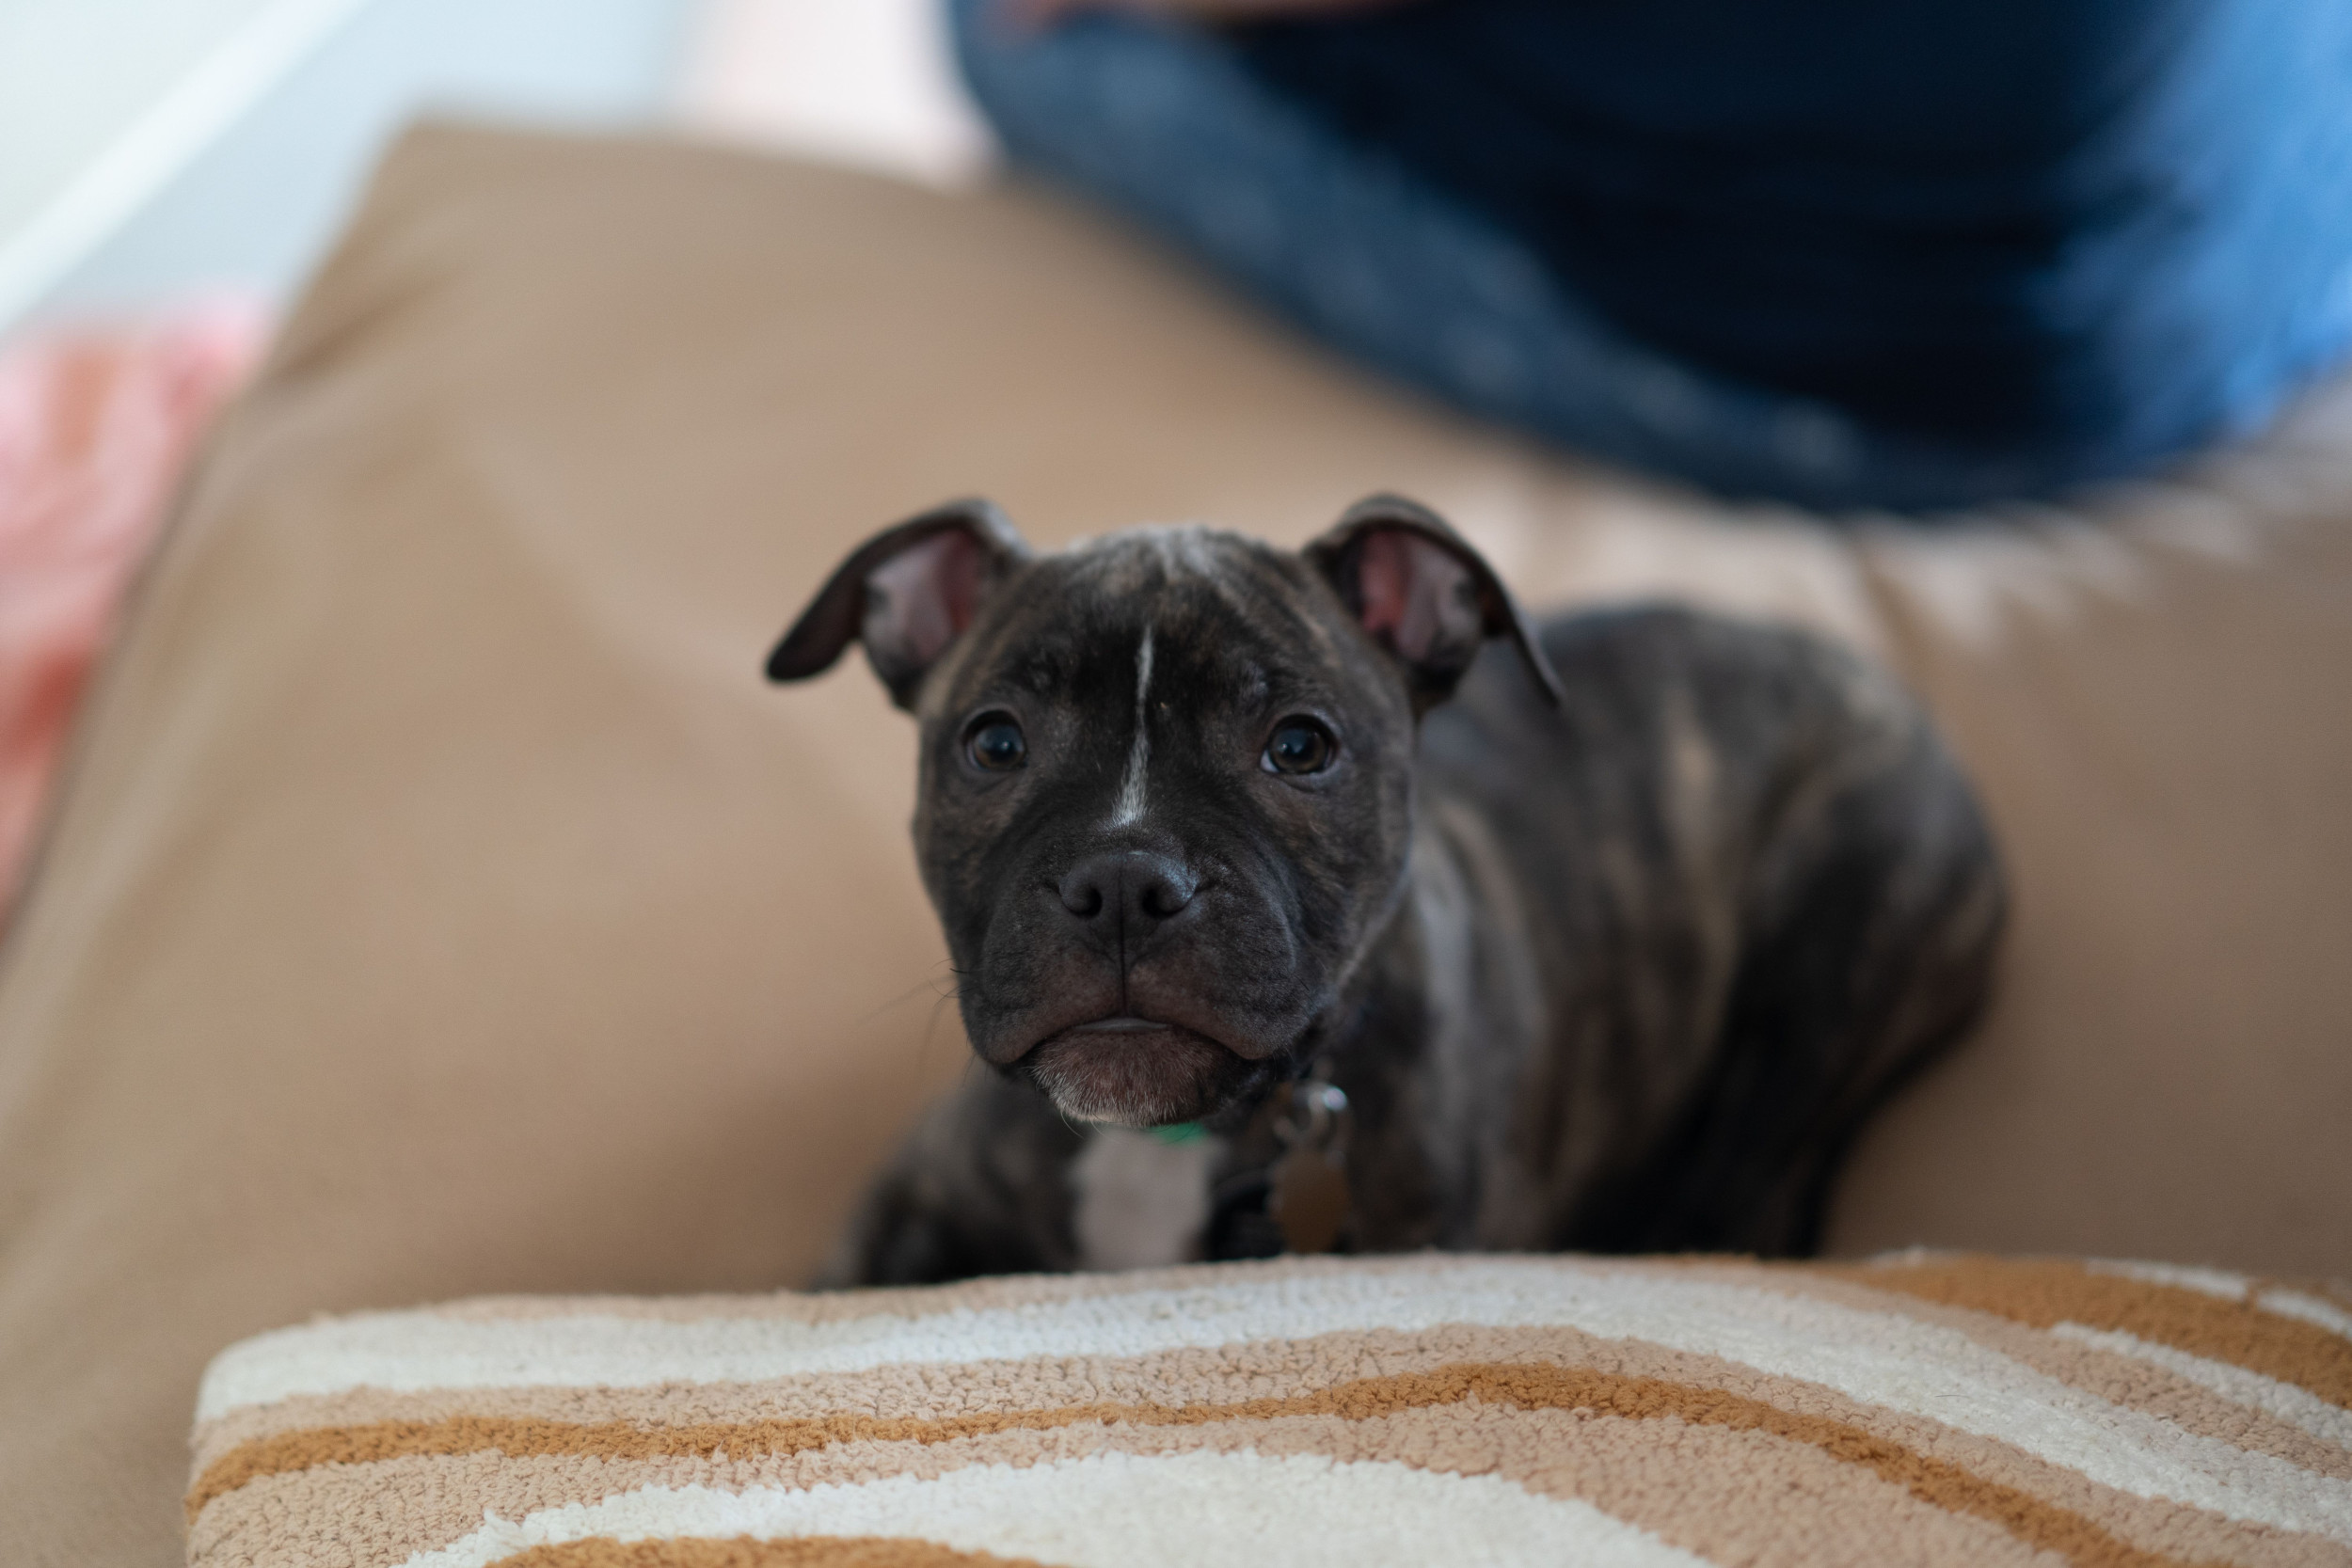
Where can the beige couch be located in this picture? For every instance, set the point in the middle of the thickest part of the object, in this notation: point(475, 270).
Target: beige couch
point(442, 904)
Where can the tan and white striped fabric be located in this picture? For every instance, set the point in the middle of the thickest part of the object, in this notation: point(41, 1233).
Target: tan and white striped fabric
point(1424, 1410)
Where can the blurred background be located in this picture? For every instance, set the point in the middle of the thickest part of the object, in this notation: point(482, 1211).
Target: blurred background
point(155, 151)
point(171, 171)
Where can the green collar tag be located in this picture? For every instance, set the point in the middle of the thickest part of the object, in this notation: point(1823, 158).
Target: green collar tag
point(1183, 1133)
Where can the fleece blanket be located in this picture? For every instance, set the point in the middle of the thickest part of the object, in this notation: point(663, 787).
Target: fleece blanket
point(1916, 1409)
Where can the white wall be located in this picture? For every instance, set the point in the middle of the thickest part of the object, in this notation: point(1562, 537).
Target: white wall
point(236, 170)
point(150, 149)
point(864, 82)
point(76, 74)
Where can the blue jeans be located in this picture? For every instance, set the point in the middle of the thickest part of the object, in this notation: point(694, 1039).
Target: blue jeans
point(1165, 124)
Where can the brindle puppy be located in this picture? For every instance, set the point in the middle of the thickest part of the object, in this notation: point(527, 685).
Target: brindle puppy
point(1616, 951)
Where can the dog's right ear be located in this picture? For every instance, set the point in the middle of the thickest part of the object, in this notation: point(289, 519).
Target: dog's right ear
point(906, 593)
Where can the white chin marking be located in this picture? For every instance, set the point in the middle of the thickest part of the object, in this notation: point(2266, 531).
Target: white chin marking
point(1081, 1098)
point(1131, 798)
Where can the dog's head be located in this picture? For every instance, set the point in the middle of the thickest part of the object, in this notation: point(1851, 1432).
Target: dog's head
point(1167, 778)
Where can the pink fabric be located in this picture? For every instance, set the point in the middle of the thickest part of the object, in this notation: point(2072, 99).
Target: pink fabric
point(96, 424)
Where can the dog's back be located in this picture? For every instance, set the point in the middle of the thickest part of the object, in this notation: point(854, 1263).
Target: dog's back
point(1752, 891)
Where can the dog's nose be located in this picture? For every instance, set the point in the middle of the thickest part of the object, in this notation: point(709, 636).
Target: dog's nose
point(1132, 889)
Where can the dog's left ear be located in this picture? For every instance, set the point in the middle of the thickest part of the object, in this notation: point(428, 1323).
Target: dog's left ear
point(1423, 594)
point(907, 593)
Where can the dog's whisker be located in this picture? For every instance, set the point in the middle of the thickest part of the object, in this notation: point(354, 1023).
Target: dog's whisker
point(927, 983)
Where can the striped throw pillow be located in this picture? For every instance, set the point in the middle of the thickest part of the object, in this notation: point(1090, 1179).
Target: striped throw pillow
point(1921, 1408)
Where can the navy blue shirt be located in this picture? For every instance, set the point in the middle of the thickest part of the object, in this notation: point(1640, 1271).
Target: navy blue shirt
point(2112, 227)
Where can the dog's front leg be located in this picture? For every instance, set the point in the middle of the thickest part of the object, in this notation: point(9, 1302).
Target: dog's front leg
point(983, 1187)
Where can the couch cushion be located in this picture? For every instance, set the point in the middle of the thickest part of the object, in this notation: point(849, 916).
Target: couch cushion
point(441, 904)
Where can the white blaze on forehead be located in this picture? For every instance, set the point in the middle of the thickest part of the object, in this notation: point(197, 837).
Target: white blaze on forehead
point(1130, 807)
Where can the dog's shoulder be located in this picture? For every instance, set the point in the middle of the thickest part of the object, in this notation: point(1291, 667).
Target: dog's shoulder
point(1634, 676)
point(1641, 650)
point(1684, 733)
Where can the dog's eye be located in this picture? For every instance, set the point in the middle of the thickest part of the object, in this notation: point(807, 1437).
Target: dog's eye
point(1299, 746)
point(994, 742)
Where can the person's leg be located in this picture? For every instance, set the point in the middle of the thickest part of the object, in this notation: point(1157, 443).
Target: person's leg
point(1160, 122)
